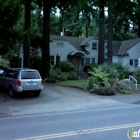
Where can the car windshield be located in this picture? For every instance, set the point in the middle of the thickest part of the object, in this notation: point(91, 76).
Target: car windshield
point(30, 75)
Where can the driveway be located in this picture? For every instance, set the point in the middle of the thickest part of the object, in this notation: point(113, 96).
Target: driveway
point(56, 99)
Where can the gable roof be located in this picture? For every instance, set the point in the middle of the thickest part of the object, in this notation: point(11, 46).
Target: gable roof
point(74, 41)
point(118, 47)
point(121, 47)
point(127, 45)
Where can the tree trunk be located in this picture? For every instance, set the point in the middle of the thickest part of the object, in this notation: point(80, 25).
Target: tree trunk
point(139, 28)
point(27, 25)
point(110, 31)
point(46, 40)
point(139, 20)
point(101, 34)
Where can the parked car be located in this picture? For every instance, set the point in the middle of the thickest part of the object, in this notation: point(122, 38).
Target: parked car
point(21, 80)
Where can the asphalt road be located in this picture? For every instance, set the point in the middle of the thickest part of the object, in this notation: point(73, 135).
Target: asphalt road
point(99, 124)
point(68, 114)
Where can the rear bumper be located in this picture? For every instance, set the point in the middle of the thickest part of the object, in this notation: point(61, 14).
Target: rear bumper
point(29, 90)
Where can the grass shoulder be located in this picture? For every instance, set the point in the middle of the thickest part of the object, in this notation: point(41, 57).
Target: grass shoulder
point(81, 84)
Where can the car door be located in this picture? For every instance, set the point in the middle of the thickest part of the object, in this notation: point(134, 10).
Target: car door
point(6, 78)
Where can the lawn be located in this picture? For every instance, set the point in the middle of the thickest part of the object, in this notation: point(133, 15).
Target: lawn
point(74, 83)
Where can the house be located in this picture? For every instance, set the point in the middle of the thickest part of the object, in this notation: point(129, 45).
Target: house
point(82, 51)
point(79, 51)
point(127, 52)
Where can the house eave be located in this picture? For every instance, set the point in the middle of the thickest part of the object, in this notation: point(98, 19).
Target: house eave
point(75, 52)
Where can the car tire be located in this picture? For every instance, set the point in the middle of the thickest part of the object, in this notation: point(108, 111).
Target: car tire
point(11, 92)
point(37, 93)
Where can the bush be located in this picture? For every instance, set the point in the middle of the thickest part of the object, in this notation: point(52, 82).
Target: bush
point(123, 71)
point(136, 75)
point(72, 76)
point(91, 82)
point(107, 90)
point(57, 75)
point(110, 69)
point(89, 67)
point(53, 76)
point(63, 76)
point(4, 63)
point(66, 66)
point(99, 76)
point(125, 85)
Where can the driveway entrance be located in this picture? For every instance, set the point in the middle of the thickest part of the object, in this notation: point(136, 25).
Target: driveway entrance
point(56, 99)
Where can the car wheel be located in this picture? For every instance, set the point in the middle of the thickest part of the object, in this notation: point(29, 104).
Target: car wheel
point(37, 93)
point(11, 92)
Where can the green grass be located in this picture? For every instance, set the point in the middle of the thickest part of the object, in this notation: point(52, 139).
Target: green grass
point(81, 84)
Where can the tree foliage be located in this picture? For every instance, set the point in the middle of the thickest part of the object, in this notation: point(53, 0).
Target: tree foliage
point(81, 17)
point(10, 11)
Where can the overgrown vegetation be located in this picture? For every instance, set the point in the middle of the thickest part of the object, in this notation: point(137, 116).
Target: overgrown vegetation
point(107, 79)
point(4, 63)
point(64, 71)
point(136, 75)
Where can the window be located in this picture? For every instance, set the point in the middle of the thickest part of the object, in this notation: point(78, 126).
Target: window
point(133, 62)
point(94, 46)
point(93, 60)
point(87, 60)
point(59, 44)
point(8, 73)
point(57, 59)
point(82, 61)
point(30, 75)
point(52, 60)
point(15, 74)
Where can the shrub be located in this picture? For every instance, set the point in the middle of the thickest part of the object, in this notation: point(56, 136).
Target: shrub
point(53, 76)
point(99, 76)
point(72, 76)
point(125, 87)
point(123, 71)
point(57, 75)
point(63, 76)
point(107, 90)
point(66, 66)
point(136, 75)
point(91, 82)
point(89, 67)
point(110, 69)
point(4, 63)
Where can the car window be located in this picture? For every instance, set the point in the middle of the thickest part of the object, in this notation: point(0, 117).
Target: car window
point(30, 75)
point(15, 74)
point(8, 73)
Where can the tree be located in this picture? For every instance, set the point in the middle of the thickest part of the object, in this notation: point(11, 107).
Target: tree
point(101, 33)
point(9, 15)
point(27, 26)
point(47, 5)
point(46, 39)
point(110, 31)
